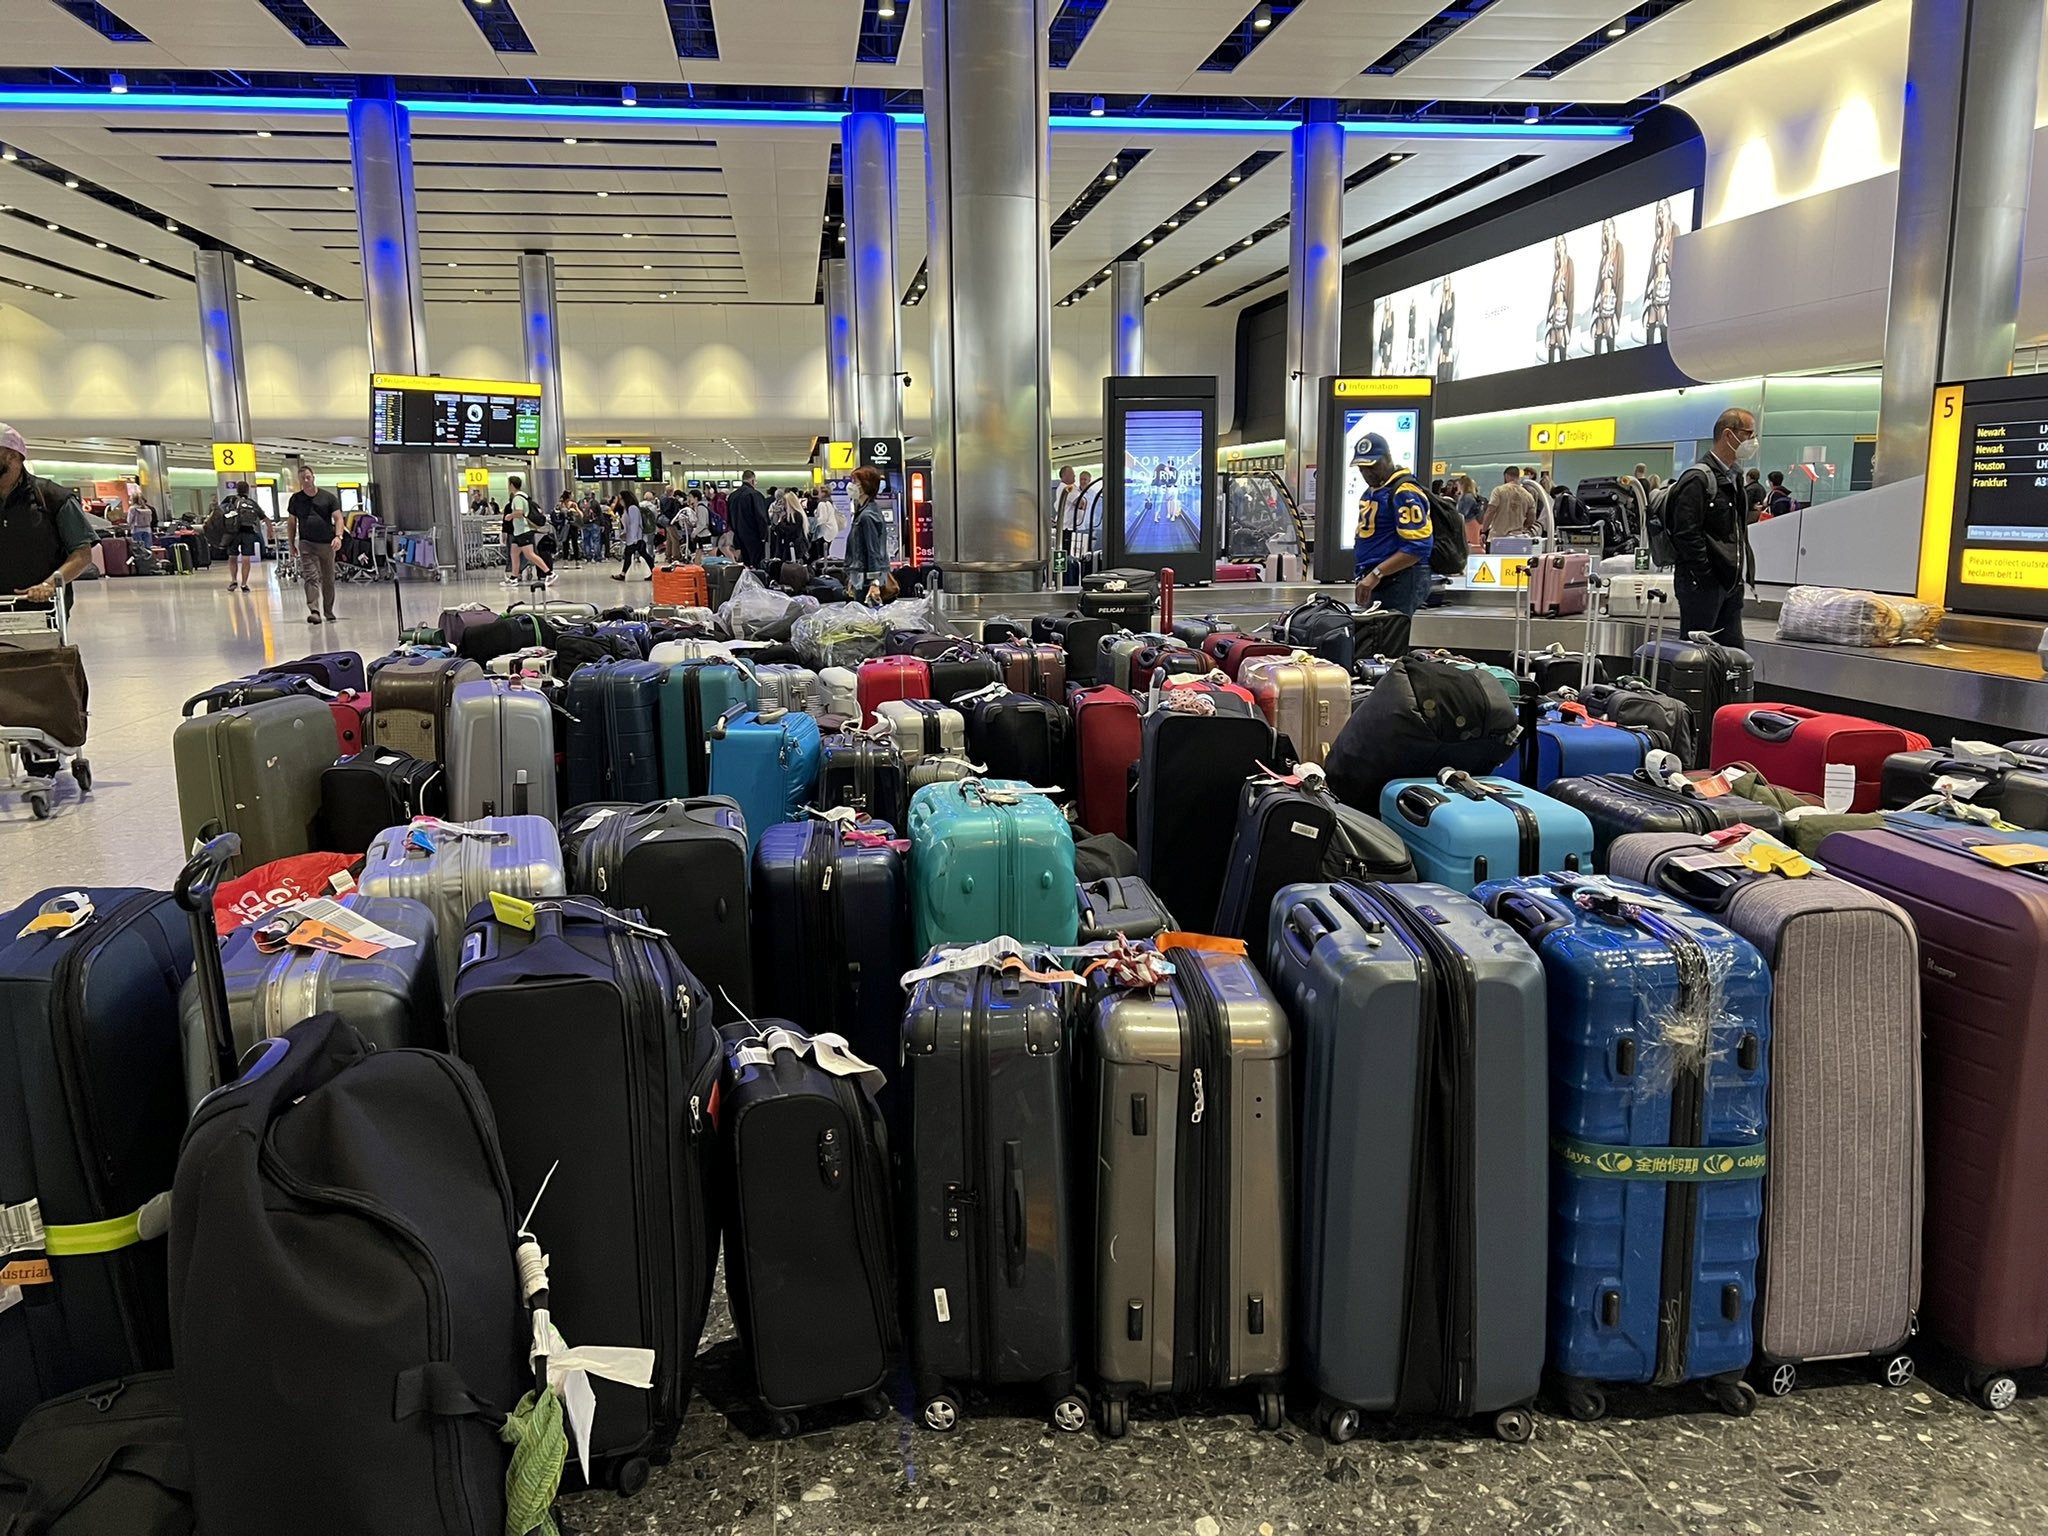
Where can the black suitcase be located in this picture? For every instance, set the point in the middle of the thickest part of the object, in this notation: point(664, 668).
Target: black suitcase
point(1282, 838)
point(810, 1265)
point(1080, 637)
point(2017, 791)
point(1702, 676)
point(376, 788)
point(597, 1052)
point(832, 929)
point(867, 774)
point(1018, 736)
point(1125, 596)
point(961, 670)
point(92, 1104)
point(1121, 904)
point(1191, 768)
point(683, 864)
point(1362, 847)
point(1618, 804)
point(989, 1230)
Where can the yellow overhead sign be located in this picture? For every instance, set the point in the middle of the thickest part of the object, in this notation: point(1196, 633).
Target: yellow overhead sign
point(234, 458)
point(841, 458)
point(1361, 389)
point(1564, 436)
point(458, 386)
point(476, 478)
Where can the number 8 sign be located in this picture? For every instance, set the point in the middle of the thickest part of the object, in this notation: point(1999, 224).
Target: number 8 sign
point(234, 458)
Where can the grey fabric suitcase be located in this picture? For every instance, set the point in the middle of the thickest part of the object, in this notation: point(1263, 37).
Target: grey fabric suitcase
point(394, 998)
point(787, 686)
point(1843, 1199)
point(410, 699)
point(1189, 1094)
point(501, 751)
point(255, 770)
point(923, 728)
point(454, 865)
point(1424, 1104)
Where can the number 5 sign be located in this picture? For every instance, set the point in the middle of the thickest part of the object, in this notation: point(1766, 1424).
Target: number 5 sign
point(234, 458)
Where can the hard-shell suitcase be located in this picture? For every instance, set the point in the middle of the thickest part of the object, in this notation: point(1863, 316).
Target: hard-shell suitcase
point(1188, 1090)
point(1029, 667)
point(635, 632)
point(682, 864)
point(633, 736)
point(393, 999)
point(1793, 747)
point(838, 693)
point(766, 762)
point(1165, 661)
point(990, 1255)
point(1121, 904)
point(1464, 830)
point(857, 770)
point(1620, 803)
point(351, 711)
point(990, 857)
point(1840, 1270)
point(338, 670)
point(1422, 1102)
point(1282, 838)
point(598, 1054)
point(1197, 747)
point(1571, 746)
point(1307, 699)
point(891, 677)
point(1114, 652)
point(810, 1262)
point(92, 1095)
point(923, 728)
point(1108, 736)
point(1231, 653)
point(2014, 787)
point(693, 696)
point(784, 685)
point(681, 586)
point(669, 652)
point(1018, 736)
point(501, 751)
point(451, 866)
point(1557, 584)
point(962, 670)
point(832, 931)
point(114, 556)
point(1703, 677)
point(1635, 594)
point(179, 552)
point(255, 771)
point(376, 788)
point(1660, 1032)
point(411, 698)
point(1080, 637)
point(1126, 596)
point(1984, 1023)
point(1195, 632)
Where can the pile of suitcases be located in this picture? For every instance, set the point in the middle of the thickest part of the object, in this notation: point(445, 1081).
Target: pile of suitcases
point(1092, 1011)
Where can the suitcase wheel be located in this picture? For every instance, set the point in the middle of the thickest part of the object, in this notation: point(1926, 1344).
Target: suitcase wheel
point(1272, 1410)
point(629, 1476)
point(876, 1405)
point(1994, 1390)
point(1517, 1426)
point(1583, 1400)
point(1898, 1371)
point(1113, 1415)
point(1338, 1423)
point(1778, 1380)
point(784, 1425)
point(940, 1414)
point(1735, 1398)
point(1070, 1414)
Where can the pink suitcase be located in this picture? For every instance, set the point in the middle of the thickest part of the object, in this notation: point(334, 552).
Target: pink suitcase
point(351, 720)
point(1557, 584)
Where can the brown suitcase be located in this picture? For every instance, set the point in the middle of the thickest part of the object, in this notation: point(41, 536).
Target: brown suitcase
point(1035, 668)
point(410, 699)
point(1984, 1062)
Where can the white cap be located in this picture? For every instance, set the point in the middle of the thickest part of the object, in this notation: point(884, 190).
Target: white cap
point(9, 438)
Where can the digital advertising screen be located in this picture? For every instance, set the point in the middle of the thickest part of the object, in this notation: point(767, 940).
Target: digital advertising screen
point(613, 463)
point(1161, 451)
point(1603, 288)
point(1984, 525)
point(454, 415)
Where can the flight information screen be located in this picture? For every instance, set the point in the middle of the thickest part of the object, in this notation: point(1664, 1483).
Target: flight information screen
point(454, 415)
point(615, 463)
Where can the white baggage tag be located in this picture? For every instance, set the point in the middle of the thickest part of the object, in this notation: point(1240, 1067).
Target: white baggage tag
point(1693, 863)
point(1959, 786)
point(1838, 789)
point(21, 1228)
point(595, 819)
point(833, 1055)
point(320, 909)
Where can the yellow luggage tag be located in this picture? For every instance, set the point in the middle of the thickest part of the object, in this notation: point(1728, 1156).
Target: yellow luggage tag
point(512, 912)
point(59, 913)
point(2011, 855)
point(1766, 855)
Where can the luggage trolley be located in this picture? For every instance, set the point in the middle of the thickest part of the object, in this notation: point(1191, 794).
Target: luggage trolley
point(34, 756)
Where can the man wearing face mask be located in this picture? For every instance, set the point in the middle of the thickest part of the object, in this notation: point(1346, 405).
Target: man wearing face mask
point(1708, 536)
point(1394, 533)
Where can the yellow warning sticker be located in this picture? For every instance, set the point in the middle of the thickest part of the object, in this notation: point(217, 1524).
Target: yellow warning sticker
point(1484, 577)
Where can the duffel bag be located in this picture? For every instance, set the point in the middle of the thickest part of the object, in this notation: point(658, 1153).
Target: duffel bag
point(1424, 715)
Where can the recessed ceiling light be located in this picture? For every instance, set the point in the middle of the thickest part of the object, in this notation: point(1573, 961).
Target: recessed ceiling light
point(1248, 239)
point(1110, 174)
point(1148, 240)
point(341, 189)
point(55, 294)
point(9, 154)
point(117, 83)
point(1173, 223)
point(1533, 115)
point(1201, 202)
point(885, 9)
point(50, 227)
point(99, 245)
point(1262, 18)
point(1235, 178)
point(625, 234)
point(1095, 106)
point(568, 141)
point(71, 182)
point(1619, 29)
point(248, 261)
point(647, 266)
point(453, 265)
point(171, 225)
point(262, 133)
point(628, 96)
point(143, 259)
point(604, 194)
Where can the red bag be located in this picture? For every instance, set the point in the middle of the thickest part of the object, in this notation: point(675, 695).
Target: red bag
point(1107, 739)
point(892, 677)
point(1228, 570)
point(1792, 747)
point(280, 883)
point(1232, 651)
point(351, 720)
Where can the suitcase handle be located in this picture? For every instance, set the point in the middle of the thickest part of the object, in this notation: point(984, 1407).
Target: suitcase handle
point(1773, 725)
point(1013, 1213)
point(194, 892)
point(1531, 916)
point(1307, 925)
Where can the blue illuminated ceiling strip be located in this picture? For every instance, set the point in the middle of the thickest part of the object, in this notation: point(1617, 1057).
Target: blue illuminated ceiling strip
point(805, 117)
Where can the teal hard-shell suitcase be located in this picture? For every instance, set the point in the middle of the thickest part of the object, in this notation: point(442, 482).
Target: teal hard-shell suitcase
point(1464, 829)
point(768, 761)
point(693, 697)
point(990, 857)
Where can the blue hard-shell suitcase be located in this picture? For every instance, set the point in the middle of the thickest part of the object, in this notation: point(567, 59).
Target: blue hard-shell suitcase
point(1572, 748)
point(990, 857)
point(767, 760)
point(633, 730)
point(1660, 1025)
point(1463, 830)
point(693, 696)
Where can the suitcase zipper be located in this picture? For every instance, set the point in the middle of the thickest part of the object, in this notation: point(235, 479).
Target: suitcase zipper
point(981, 1212)
point(642, 996)
point(870, 1226)
point(1202, 1172)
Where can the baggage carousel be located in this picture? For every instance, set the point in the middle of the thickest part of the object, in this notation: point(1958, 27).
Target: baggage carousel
point(1982, 677)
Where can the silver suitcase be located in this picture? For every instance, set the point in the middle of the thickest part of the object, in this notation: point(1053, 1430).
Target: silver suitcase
point(454, 865)
point(669, 652)
point(1641, 595)
point(501, 751)
point(534, 661)
point(787, 686)
point(838, 694)
point(923, 728)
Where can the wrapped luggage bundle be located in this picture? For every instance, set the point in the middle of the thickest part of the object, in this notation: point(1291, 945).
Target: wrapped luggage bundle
point(1845, 616)
point(839, 635)
point(1422, 716)
point(757, 611)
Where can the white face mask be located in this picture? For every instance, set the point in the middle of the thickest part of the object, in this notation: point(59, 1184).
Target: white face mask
point(1746, 452)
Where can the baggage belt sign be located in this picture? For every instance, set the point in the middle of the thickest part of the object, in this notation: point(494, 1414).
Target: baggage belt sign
point(1497, 571)
point(1690, 1165)
point(234, 458)
point(2026, 568)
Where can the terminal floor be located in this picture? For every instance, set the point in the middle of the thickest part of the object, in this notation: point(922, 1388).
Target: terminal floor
point(1840, 1455)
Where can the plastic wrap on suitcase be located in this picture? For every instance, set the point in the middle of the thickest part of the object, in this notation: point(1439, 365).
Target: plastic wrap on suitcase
point(1463, 830)
point(990, 857)
point(1121, 904)
point(857, 770)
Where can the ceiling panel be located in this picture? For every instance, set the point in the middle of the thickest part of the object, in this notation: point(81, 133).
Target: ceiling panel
point(1660, 51)
point(1496, 46)
point(1152, 45)
point(1322, 47)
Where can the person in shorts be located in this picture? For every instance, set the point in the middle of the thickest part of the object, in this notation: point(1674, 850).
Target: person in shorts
point(242, 532)
point(525, 523)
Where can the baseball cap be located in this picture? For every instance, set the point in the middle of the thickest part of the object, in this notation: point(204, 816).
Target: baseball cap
point(9, 438)
point(1371, 449)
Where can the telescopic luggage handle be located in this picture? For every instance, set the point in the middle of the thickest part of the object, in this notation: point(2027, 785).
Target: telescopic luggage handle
point(194, 891)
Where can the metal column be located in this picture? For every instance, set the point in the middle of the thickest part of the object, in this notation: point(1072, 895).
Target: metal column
point(990, 287)
point(1966, 157)
point(154, 474)
point(416, 493)
point(544, 367)
point(1127, 319)
point(220, 344)
point(867, 156)
point(840, 391)
point(1315, 282)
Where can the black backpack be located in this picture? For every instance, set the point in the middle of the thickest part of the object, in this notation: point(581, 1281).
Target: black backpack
point(1422, 716)
point(1658, 518)
point(1448, 550)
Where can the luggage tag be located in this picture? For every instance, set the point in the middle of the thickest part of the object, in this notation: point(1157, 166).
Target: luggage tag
point(1587, 890)
point(1959, 787)
point(314, 934)
point(1764, 853)
point(595, 820)
point(2011, 855)
point(512, 912)
point(60, 914)
point(351, 924)
point(1838, 787)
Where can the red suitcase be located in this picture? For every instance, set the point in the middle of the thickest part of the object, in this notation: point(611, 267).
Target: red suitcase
point(114, 555)
point(1984, 1061)
point(1107, 738)
point(1792, 747)
point(1230, 651)
point(351, 720)
point(1231, 570)
point(892, 677)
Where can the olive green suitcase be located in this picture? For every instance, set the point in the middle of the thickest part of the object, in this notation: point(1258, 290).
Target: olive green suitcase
point(255, 770)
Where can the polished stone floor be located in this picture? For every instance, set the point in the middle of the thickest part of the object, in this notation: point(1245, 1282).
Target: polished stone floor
point(1839, 1456)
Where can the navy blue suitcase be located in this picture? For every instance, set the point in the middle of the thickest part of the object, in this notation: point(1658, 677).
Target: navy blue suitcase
point(1570, 748)
point(1282, 838)
point(583, 701)
point(1660, 1024)
point(832, 933)
point(92, 1106)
